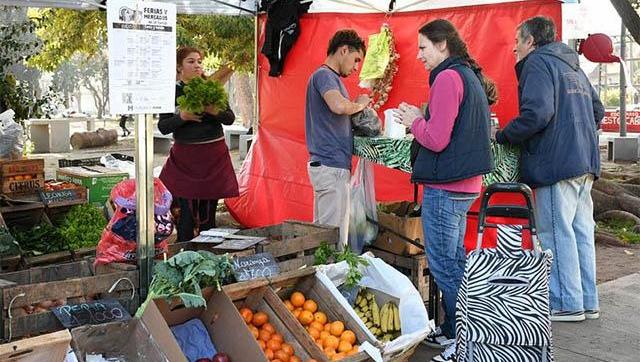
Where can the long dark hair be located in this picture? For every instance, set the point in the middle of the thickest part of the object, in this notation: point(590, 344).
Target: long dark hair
point(440, 30)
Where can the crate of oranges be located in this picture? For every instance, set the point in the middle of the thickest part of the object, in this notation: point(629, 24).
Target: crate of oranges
point(324, 321)
point(261, 311)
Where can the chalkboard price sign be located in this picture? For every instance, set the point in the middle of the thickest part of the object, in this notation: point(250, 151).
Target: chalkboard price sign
point(97, 312)
point(58, 196)
point(255, 266)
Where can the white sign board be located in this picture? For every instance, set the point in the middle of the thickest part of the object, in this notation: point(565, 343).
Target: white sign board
point(142, 60)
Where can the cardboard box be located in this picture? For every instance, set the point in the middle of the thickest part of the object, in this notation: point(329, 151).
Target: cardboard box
point(99, 180)
point(47, 347)
point(226, 328)
point(397, 222)
point(128, 340)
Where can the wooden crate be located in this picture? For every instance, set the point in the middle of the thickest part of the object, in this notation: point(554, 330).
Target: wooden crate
point(9, 263)
point(22, 214)
point(56, 210)
point(263, 299)
point(48, 347)
point(72, 281)
point(312, 288)
point(21, 177)
point(293, 243)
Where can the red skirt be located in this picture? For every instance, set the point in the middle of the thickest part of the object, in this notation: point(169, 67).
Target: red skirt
point(200, 171)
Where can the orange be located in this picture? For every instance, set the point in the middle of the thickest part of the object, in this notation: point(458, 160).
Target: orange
point(327, 327)
point(353, 351)
point(348, 336)
point(268, 327)
point(269, 354)
point(330, 352)
point(281, 355)
point(297, 299)
point(296, 312)
point(338, 356)
point(337, 328)
point(265, 336)
point(246, 314)
point(310, 305)
point(274, 345)
point(331, 342)
point(320, 344)
point(259, 319)
point(254, 331)
point(316, 325)
point(314, 333)
point(305, 317)
point(344, 346)
point(262, 344)
point(287, 303)
point(295, 359)
point(277, 337)
point(276, 360)
point(320, 317)
point(312, 360)
point(287, 348)
point(324, 334)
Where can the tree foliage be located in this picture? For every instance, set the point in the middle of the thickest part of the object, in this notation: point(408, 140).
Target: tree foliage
point(65, 32)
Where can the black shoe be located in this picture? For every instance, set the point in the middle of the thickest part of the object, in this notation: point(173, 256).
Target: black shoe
point(437, 339)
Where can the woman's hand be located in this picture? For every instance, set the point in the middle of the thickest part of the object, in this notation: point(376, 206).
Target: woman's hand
point(211, 109)
point(408, 113)
point(189, 117)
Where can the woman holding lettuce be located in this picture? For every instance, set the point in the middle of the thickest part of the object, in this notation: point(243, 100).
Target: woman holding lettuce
point(198, 171)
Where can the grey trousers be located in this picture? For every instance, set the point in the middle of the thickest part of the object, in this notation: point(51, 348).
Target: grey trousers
point(331, 198)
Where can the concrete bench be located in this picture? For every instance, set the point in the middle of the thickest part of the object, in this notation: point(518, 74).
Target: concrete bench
point(232, 135)
point(52, 135)
point(245, 144)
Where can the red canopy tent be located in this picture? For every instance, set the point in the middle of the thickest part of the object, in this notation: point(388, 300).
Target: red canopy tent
point(274, 185)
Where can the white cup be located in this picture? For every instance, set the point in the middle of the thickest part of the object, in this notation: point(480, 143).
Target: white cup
point(392, 126)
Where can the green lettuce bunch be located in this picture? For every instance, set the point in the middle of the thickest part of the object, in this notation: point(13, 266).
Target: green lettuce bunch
point(199, 93)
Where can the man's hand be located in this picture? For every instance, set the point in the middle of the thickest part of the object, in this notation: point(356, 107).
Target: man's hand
point(189, 117)
point(408, 113)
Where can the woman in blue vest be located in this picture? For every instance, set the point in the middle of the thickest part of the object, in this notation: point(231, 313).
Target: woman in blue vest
point(451, 152)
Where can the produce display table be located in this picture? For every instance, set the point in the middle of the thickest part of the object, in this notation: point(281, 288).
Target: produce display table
point(395, 153)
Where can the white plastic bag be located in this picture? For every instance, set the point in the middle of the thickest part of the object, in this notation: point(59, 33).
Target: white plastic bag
point(414, 320)
point(363, 216)
point(11, 136)
point(124, 166)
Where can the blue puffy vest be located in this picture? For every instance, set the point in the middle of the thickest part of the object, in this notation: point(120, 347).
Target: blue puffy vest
point(469, 151)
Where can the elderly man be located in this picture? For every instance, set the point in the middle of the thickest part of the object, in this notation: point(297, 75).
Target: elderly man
point(557, 126)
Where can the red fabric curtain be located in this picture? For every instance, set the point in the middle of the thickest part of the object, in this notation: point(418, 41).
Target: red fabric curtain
point(274, 185)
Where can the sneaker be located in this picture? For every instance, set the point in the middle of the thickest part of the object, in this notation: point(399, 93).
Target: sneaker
point(448, 355)
point(437, 339)
point(564, 316)
point(592, 314)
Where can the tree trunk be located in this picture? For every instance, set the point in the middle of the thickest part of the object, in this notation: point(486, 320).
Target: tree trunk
point(629, 17)
point(101, 137)
point(609, 239)
point(245, 99)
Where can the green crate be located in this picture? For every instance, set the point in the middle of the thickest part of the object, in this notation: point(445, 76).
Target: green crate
point(97, 179)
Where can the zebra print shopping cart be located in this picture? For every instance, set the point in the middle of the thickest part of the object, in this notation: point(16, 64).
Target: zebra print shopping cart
point(502, 312)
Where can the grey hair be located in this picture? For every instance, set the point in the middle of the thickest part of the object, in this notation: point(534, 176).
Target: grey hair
point(541, 28)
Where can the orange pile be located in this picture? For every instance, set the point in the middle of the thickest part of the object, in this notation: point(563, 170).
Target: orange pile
point(331, 337)
point(270, 341)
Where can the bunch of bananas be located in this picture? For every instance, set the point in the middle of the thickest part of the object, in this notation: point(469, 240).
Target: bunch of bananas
point(383, 322)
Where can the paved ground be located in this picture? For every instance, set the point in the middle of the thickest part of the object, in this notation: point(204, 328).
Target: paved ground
point(615, 337)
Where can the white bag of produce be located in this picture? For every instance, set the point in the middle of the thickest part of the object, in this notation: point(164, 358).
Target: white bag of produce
point(11, 136)
point(381, 276)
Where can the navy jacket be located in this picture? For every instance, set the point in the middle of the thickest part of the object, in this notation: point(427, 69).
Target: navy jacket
point(468, 153)
point(560, 114)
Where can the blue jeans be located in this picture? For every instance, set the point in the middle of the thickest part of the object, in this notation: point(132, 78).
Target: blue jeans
point(444, 220)
point(564, 217)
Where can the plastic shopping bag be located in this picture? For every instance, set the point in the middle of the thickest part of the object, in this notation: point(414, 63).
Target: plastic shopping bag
point(363, 217)
point(11, 136)
point(119, 239)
